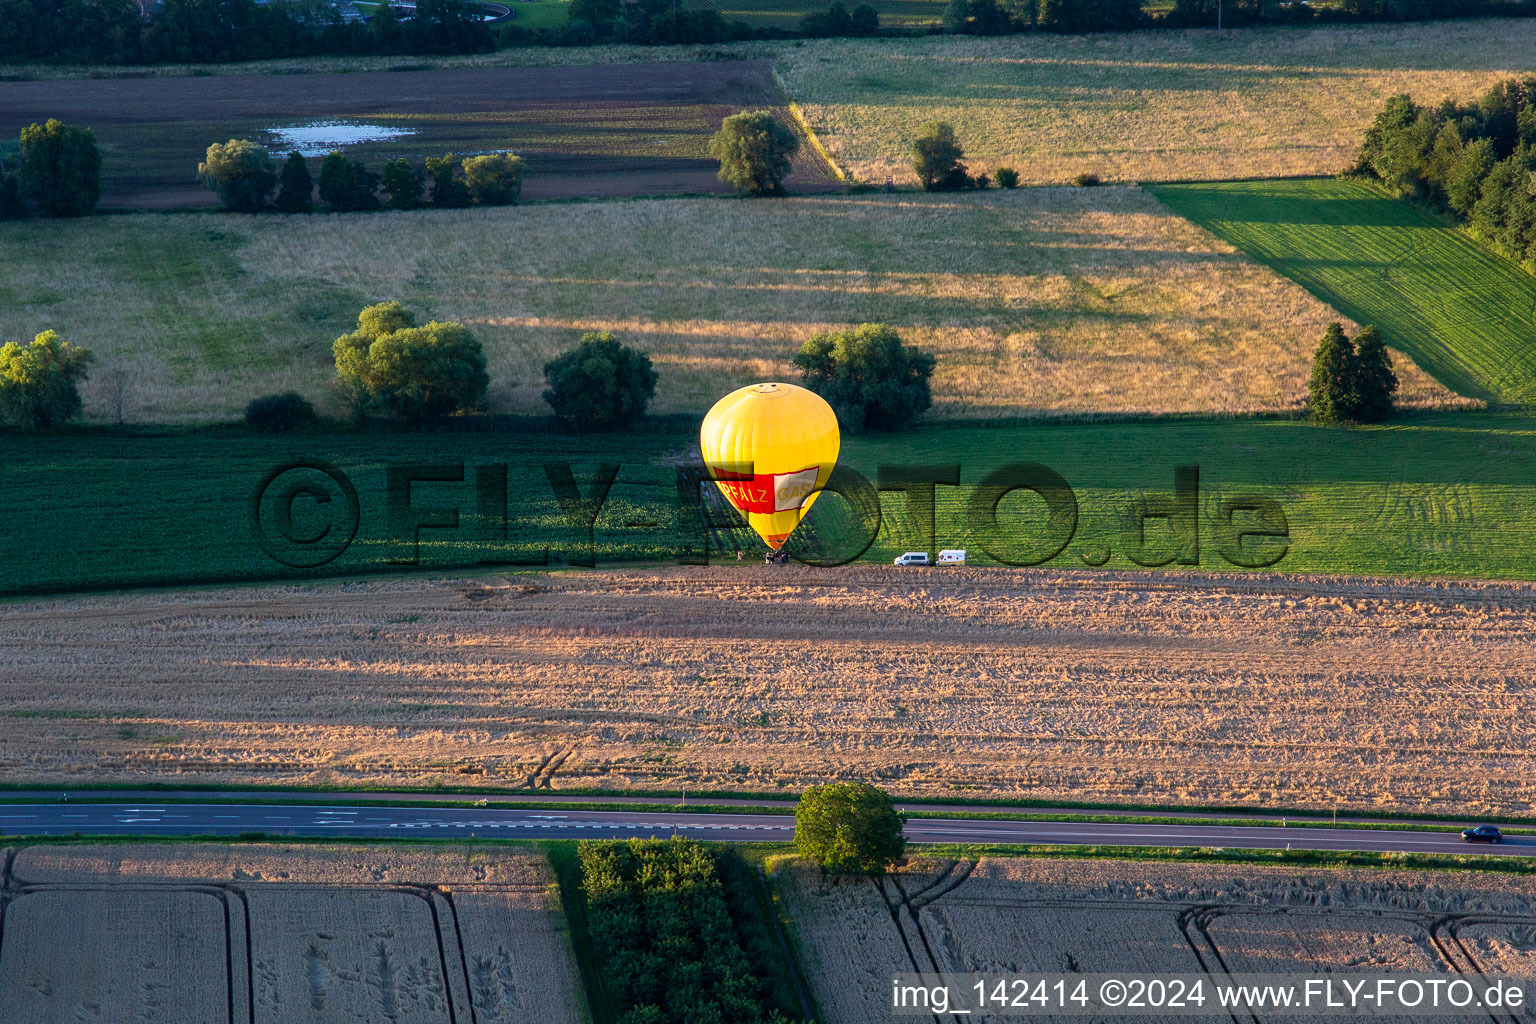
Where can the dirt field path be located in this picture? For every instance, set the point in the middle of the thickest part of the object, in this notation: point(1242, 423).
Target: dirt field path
point(1200, 688)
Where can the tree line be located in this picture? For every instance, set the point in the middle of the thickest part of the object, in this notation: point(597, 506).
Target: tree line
point(211, 31)
point(215, 31)
point(243, 176)
point(681, 935)
point(1476, 161)
point(390, 366)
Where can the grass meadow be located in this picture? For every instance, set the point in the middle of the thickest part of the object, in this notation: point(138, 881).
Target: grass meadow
point(1036, 301)
point(1463, 313)
point(1141, 106)
point(1451, 494)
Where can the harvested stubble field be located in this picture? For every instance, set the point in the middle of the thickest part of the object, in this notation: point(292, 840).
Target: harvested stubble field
point(614, 130)
point(1022, 916)
point(268, 934)
point(1144, 106)
point(1056, 685)
point(1049, 301)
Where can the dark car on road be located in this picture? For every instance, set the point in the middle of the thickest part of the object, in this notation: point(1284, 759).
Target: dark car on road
point(1481, 834)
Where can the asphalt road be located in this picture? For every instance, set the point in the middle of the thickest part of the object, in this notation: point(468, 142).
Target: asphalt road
point(223, 819)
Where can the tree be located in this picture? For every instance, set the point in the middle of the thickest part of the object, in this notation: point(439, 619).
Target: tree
point(495, 179)
point(40, 382)
point(1375, 383)
point(404, 184)
point(240, 171)
point(347, 185)
point(447, 190)
point(599, 384)
point(849, 828)
point(390, 364)
point(600, 14)
point(936, 157)
point(864, 20)
point(1464, 178)
point(955, 14)
point(116, 387)
point(1331, 387)
point(60, 168)
point(297, 192)
point(388, 35)
point(834, 21)
point(1089, 15)
point(754, 149)
point(868, 376)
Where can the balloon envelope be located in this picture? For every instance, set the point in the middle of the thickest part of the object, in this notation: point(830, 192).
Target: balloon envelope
point(770, 447)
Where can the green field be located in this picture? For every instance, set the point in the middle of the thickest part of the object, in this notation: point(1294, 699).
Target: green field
point(1453, 494)
point(1464, 314)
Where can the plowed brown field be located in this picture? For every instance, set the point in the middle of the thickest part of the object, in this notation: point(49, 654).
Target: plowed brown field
point(612, 130)
point(1168, 687)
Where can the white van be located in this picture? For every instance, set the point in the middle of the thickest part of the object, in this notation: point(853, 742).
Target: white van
point(954, 556)
point(912, 558)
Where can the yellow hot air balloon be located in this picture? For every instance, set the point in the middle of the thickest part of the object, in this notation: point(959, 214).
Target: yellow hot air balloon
point(770, 447)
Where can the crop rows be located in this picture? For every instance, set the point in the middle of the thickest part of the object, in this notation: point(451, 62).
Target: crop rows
point(270, 935)
point(1036, 915)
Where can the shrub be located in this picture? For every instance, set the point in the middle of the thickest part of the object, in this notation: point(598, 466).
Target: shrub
point(60, 168)
point(1006, 177)
point(937, 156)
point(40, 382)
point(868, 376)
point(849, 828)
point(392, 365)
point(447, 190)
point(297, 192)
point(347, 186)
point(1351, 380)
point(600, 383)
point(403, 184)
point(864, 20)
point(955, 14)
point(495, 179)
point(279, 414)
point(240, 171)
point(1087, 180)
point(754, 149)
